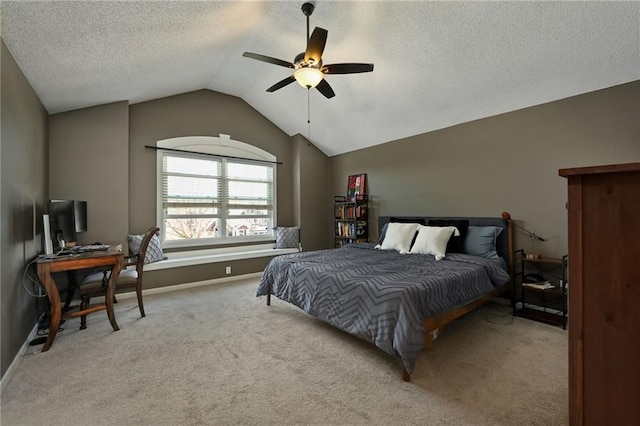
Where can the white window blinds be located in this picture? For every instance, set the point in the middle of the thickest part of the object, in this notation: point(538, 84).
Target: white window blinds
point(209, 197)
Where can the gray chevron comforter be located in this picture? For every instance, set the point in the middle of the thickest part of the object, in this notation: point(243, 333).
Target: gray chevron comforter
point(380, 295)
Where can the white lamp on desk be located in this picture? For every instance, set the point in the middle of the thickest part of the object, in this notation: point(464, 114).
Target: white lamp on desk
point(48, 245)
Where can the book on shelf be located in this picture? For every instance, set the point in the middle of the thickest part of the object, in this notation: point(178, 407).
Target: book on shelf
point(536, 281)
point(360, 184)
point(539, 286)
point(346, 229)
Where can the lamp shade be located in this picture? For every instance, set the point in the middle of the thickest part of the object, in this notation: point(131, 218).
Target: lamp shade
point(308, 77)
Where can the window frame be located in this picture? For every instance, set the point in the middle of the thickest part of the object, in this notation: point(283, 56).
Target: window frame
point(203, 147)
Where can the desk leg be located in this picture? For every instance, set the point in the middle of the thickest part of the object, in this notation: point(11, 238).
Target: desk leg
point(44, 274)
point(109, 295)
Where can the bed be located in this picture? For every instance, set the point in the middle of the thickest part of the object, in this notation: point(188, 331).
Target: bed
point(398, 301)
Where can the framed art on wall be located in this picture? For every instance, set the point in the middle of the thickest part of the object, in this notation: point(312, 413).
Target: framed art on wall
point(356, 186)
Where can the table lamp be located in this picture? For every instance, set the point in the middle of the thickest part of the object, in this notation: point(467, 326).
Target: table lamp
point(532, 235)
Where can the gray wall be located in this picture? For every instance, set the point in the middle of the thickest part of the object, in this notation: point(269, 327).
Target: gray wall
point(89, 161)
point(200, 113)
point(507, 162)
point(24, 180)
point(204, 272)
point(97, 154)
point(106, 146)
point(313, 202)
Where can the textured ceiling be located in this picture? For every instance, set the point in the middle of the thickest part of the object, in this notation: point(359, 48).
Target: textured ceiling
point(437, 64)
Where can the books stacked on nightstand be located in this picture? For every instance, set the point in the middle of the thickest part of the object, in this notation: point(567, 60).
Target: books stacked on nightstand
point(539, 286)
point(536, 281)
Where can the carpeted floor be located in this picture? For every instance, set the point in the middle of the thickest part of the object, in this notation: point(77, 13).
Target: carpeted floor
point(217, 355)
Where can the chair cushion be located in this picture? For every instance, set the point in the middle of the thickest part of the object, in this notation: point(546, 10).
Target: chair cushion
point(94, 277)
point(93, 283)
point(127, 276)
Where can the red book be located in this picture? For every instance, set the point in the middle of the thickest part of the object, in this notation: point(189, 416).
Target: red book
point(363, 188)
point(351, 188)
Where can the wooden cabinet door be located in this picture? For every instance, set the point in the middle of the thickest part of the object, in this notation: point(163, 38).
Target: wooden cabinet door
point(604, 296)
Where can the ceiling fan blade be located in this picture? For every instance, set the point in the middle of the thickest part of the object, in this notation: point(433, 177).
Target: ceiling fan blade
point(324, 88)
point(281, 84)
point(347, 68)
point(268, 59)
point(315, 45)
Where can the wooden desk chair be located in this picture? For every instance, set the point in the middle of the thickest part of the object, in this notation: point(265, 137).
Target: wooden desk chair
point(95, 284)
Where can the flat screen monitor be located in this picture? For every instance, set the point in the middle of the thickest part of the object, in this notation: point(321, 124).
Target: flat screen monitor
point(67, 218)
point(80, 215)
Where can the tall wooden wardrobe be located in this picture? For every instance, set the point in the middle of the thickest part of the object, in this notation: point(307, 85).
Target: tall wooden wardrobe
point(604, 294)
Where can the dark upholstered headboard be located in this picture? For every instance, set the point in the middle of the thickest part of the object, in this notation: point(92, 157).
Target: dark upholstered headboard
point(503, 244)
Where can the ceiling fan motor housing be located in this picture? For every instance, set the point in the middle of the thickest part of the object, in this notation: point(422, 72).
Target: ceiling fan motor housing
point(299, 62)
point(307, 9)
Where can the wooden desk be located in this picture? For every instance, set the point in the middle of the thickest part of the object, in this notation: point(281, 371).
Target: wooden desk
point(94, 259)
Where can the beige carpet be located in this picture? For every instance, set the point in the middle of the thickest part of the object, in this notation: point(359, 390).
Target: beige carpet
point(217, 355)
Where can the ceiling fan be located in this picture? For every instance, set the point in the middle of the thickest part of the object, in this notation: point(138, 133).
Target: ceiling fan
point(308, 66)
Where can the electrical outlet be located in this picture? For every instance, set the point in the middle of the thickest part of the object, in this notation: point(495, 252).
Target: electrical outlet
point(227, 270)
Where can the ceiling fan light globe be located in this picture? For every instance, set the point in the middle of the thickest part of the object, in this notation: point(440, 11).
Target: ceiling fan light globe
point(308, 77)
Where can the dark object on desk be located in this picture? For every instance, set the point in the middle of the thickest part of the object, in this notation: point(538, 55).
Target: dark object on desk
point(67, 218)
point(94, 247)
point(84, 249)
point(95, 284)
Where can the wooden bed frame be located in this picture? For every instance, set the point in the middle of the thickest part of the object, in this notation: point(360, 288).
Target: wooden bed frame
point(434, 325)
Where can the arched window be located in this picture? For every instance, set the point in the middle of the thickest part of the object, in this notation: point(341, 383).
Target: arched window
point(214, 190)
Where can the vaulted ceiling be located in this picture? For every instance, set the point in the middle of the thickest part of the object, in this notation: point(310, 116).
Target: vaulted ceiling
point(437, 64)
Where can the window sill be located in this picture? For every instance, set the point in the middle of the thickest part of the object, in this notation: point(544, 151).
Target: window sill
point(234, 242)
point(201, 257)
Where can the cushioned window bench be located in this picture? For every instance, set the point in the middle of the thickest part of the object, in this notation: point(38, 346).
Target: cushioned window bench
point(200, 257)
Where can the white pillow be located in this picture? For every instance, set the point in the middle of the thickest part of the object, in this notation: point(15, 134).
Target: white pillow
point(399, 237)
point(433, 240)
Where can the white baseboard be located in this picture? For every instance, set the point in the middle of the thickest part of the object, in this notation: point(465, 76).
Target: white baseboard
point(16, 361)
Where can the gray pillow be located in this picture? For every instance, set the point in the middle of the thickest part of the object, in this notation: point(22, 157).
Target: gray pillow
point(481, 241)
point(383, 232)
point(154, 250)
point(287, 237)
